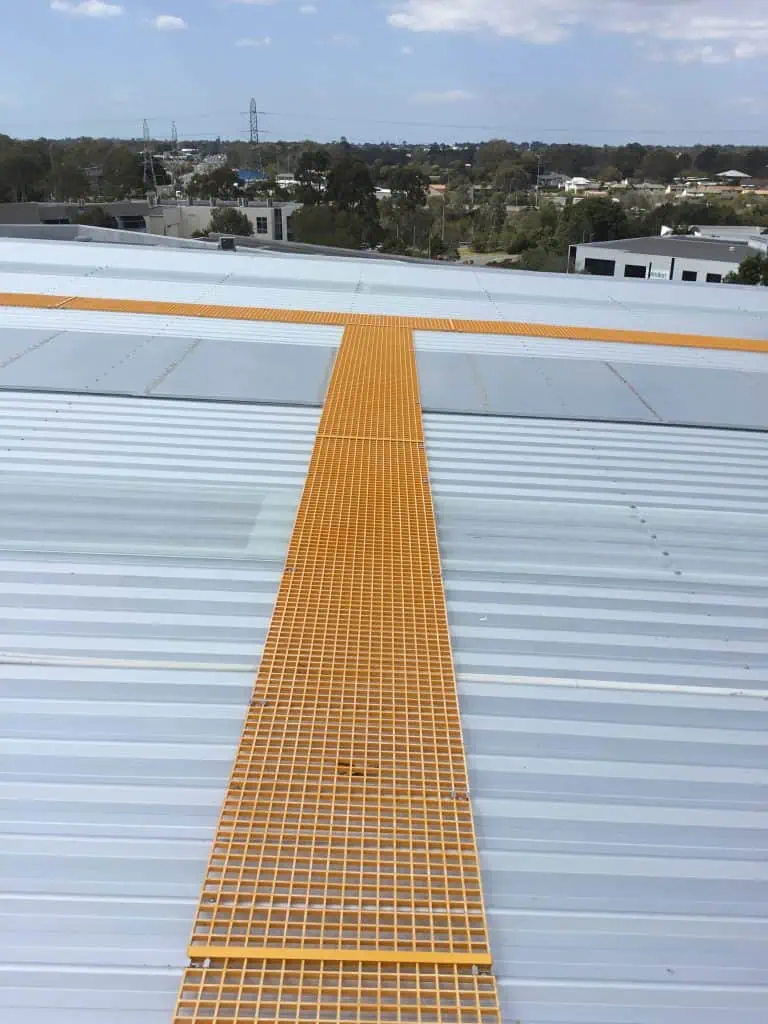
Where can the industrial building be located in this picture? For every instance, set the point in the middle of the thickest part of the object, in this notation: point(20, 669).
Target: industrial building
point(702, 260)
point(271, 220)
point(381, 642)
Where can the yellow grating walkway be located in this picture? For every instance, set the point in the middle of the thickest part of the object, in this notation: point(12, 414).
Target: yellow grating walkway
point(297, 316)
point(344, 882)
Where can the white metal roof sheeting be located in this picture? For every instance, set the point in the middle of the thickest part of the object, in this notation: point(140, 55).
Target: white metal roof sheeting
point(606, 351)
point(141, 545)
point(283, 366)
point(151, 325)
point(320, 283)
point(530, 383)
point(180, 357)
point(608, 594)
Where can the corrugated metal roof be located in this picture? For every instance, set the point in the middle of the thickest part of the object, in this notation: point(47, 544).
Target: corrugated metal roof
point(113, 353)
point(608, 592)
point(319, 283)
point(689, 247)
point(141, 545)
point(607, 587)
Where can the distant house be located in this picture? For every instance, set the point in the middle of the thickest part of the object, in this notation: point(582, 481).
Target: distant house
point(736, 177)
point(579, 184)
point(552, 179)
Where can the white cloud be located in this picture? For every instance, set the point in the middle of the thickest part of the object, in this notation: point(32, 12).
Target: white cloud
point(448, 96)
point(88, 8)
point(406, 50)
point(709, 31)
point(254, 43)
point(169, 23)
point(308, 9)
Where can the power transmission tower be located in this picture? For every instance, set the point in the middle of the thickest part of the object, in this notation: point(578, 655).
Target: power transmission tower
point(253, 118)
point(254, 123)
point(150, 178)
point(174, 153)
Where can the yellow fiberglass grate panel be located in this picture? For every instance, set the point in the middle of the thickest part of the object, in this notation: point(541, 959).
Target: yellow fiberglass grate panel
point(328, 992)
point(375, 388)
point(366, 320)
point(344, 881)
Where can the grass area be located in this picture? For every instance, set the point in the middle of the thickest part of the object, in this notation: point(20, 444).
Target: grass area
point(466, 252)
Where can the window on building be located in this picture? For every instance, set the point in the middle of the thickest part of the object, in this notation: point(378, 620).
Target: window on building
point(714, 278)
point(602, 268)
point(131, 222)
point(690, 275)
point(278, 224)
point(634, 270)
point(262, 226)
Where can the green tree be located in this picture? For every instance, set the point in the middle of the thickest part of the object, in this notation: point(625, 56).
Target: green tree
point(122, 174)
point(629, 159)
point(96, 217)
point(323, 224)
point(405, 218)
point(23, 173)
point(687, 214)
point(228, 220)
point(68, 180)
point(497, 212)
point(221, 183)
point(755, 162)
point(708, 160)
point(350, 189)
point(311, 173)
point(491, 155)
point(543, 258)
point(608, 172)
point(753, 270)
point(660, 165)
point(409, 187)
point(593, 220)
point(350, 185)
point(511, 176)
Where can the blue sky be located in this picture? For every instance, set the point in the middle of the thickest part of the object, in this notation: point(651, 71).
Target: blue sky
point(666, 71)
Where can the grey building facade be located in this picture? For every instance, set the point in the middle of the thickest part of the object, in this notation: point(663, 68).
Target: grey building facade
point(173, 219)
point(669, 258)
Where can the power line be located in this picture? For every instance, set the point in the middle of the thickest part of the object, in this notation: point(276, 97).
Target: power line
point(505, 130)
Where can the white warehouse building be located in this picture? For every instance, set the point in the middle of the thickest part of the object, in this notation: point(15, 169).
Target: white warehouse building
point(668, 258)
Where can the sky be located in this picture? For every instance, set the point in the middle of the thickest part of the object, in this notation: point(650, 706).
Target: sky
point(598, 71)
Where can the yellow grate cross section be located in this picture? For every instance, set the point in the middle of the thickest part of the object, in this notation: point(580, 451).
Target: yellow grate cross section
point(344, 882)
point(299, 316)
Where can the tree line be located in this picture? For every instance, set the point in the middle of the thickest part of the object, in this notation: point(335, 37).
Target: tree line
point(70, 169)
